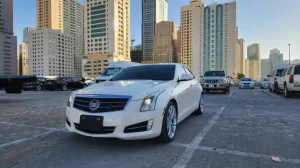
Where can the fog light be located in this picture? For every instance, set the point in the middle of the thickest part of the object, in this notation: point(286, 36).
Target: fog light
point(149, 125)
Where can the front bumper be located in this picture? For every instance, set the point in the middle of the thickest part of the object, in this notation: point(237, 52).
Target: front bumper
point(246, 86)
point(214, 86)
point(116, 122)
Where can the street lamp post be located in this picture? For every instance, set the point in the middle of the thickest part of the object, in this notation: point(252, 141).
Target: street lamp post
point(289, 53)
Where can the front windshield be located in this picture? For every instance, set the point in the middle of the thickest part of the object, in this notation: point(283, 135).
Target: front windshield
point(279, 71)
point(214, 73)
point(111, 71)
point(246, 79)
point(147, 72)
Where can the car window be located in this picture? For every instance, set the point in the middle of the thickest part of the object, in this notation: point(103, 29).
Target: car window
point(147, 72)
point(284, 72)
point(214, 73)
point(279, 72)
point(246, 79)
point(289, 71)
point(181, 71)
point(188, 71)
point(297, 70)
point(112, 71)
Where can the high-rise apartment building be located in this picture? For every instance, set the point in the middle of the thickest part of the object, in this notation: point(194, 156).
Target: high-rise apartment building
point(107, 34)
point(186, 33)
point(153, 11)
point(165, 42)
point(254, 56)
point(214, 37)
point(264, 68)
point(237, 59)
point(25, 33)
point(8, 42)
point(23, 58)
point(275, 58)
point(178, 46)
point(68, 17)
point(242, 55)
point(246, 68)
point(51, 53)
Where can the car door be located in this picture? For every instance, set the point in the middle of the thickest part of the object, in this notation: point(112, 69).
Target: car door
point(194, 93)
point(181, 92)
point(281, 80)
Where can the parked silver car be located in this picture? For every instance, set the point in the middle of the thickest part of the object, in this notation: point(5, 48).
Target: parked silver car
point(215, 80)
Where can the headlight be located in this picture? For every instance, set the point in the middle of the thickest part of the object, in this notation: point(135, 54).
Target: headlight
point(71, 98)
point(150, 101)
point(223, 81)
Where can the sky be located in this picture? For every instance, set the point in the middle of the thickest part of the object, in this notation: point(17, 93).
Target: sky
point(271, 23)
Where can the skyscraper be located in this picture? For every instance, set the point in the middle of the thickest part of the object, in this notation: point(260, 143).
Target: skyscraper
point(8, 42)
point(214, 38)
point(186, 34)
point(25, 33)
point(165, 42)
point(254, 56)
point(275, 58)
point(264, 68)
point(107, 34)
point(23, 56)
point(153, 11)
point(242, 55)
point(68, 17)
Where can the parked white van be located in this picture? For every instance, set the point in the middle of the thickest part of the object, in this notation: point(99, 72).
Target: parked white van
point(113, 69)
point(274, 76)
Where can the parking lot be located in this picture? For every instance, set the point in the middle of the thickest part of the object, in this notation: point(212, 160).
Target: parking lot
point(243, 129)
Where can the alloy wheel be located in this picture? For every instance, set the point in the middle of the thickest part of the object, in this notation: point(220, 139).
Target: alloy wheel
point(171, 121)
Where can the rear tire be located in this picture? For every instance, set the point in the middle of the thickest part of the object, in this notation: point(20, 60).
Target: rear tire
point(64, 88)
point(38, 88)
point(287, 93)
point(277, 89)
point(169, 123)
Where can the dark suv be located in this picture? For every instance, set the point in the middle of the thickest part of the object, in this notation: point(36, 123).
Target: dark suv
point(64, 83)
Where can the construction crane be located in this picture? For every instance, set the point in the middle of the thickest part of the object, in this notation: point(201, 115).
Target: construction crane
point(132, 41)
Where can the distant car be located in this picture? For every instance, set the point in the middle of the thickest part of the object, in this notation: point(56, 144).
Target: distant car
point(64, 83)
point(265, 84)
point(113, 69)
point(215, 80)
point(246, 83)
point(37, 84)
point(140, 102)
point(289, 81)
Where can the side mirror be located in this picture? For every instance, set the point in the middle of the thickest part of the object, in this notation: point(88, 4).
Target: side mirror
point(268, 76)
point(185, 77)
point(201, 76)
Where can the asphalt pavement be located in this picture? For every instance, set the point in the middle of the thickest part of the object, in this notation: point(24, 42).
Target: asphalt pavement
point(243, 129)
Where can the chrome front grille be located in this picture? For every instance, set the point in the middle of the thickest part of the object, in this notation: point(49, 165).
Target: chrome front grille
point(106, 104)
point(211, 81)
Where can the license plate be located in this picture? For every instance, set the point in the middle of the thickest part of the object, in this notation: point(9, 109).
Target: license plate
point(91, 123)
point(211, 86)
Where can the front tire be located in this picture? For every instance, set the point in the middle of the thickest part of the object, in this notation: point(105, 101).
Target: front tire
point(64, 88)
point(38, 88)
point(169, 124)
point(200, 109)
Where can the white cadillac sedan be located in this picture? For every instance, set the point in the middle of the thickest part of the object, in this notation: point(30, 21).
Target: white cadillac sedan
point(141, 102)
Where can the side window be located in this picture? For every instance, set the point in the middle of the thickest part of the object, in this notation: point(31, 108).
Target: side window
point(283, 73)
point(181, 71)
point(289, 71)
point(297, 70)
point(188, 71)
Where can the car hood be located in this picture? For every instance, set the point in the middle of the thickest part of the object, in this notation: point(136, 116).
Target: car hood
point(137, 89)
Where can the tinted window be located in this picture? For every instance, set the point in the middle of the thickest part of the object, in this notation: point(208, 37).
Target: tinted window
point(284, 72)
point(246, 79)
point(279, 71)
point(214, 73)
point(111, 71)
point(297, 70)
point(147, 72)
point(289, 71)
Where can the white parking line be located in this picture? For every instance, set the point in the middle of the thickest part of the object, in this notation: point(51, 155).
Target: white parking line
point(238, 153)
point(30, 126)
point(33, 111)
point(232, 92)
point(272, 94)
point(24, 139)
point(189, 151)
